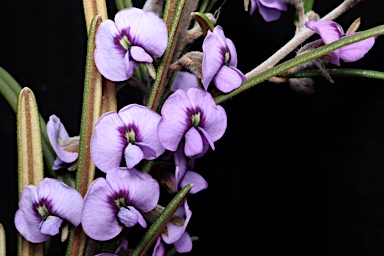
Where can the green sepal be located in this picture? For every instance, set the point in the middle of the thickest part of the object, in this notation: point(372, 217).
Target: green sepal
point(204, 22)
point(160, 223)
point(122, 4)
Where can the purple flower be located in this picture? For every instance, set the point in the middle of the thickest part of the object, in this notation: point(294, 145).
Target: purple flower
point(269, 9)
point(176, 234)
point(118, 201)
point(133, 37)
point(131, 132)
point(184, 80)
point(220, 62)
point(193, 115)
point(43, 209)
point(57, 134)
point(330, 31)
point(184, 176)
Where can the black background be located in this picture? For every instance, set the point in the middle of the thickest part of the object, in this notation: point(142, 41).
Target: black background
point(293, 174)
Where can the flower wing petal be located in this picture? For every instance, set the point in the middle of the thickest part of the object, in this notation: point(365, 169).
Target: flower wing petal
point(133, 155)
point(175, 231)
point(110, 57)
point(108, 142)
point(228, 78)
point(193, 142)
point(213, 58)
point(184, 80)
point(199, 183)
point(145, 29)
point(51, 226)
point(99, 214)
point(139, 54)
point(269, 14)
point(356, 51)
point(232, 52)
point(184, 244)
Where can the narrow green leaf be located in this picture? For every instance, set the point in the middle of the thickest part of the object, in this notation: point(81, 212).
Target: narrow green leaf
point(204, 22)
point(91, 110)
point(341, 72)
point(160, 223)
point(30, 156)
point(10, 89)
point(285, 66)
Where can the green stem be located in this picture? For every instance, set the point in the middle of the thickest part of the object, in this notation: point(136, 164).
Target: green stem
point(121, 4)
point(285, 66)
point(160, 223)
point(345, 72)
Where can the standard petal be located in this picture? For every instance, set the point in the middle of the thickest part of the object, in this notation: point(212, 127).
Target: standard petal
point(99, 212)
point(227, 79)
point(193, 142)
point(142, 190)
point(232, 53)
point(146, 122)
point(213, 58)
point(144, 28)
point(213, 117)
point(184, 244)
point(175, 120)
point(184, 80)
point(356, 51)
point(269, 14)
point(109, 54)
point(29, 227)
point(133, 155)
point(108, 142)
point(275, 4)
point(199, 183)
point(61, 200)
point(51, 225)
point(139, 54)
point(56, 132)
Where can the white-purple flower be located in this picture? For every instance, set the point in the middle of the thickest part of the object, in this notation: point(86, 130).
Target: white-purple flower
point(134, 37)
point(176, 234)
point(220, 62)
point(132, 133)
point(270, 10)
point(330, 32)
point(118, 201)
point(43, 209)
point(57, 134)
point(193, 115)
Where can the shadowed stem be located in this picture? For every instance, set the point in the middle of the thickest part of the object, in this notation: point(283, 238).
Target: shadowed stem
point(346, 72)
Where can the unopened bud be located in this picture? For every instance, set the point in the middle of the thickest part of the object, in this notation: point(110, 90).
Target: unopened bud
point(354, 26)
point(246, 4)
point(71, 144)
point(156, 6)
point(191, 61)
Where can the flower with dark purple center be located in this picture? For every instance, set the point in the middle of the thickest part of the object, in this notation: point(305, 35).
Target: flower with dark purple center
point(134, 37)
point(118, 201)
point(220, 62)
point(43, 209)
point(330, 32)
point(194, 116)
point(132, 133)
point(270, 10)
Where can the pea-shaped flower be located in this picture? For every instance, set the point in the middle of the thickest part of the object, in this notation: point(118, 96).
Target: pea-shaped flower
point(132, 133)
point(220, 62)
point(43, 209)
point(118, 201)
point(133, 37)
point(193, 115)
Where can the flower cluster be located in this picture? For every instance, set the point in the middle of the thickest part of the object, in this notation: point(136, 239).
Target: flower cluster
point(185, 125)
